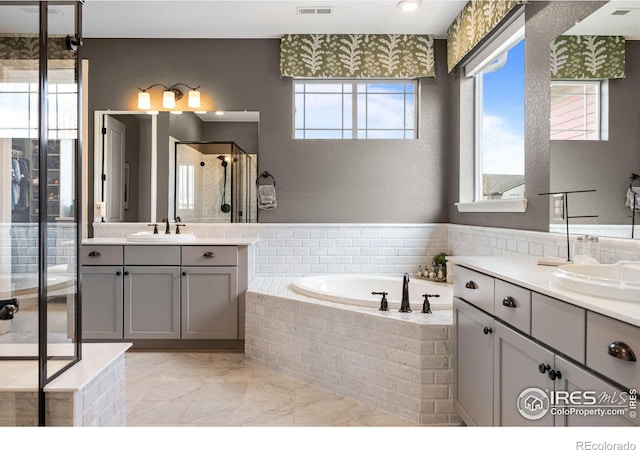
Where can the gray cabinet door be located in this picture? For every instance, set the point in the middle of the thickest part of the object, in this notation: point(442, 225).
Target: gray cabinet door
point(102, 302)
point(473, 359)
point(610, 399)
point(517, 363)
point(209, 302)
point(151, 302)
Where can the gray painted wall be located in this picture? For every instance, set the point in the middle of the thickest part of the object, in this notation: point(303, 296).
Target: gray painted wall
point(544, 21)
point(245, 134)
point(318, 181)
point(604, 165)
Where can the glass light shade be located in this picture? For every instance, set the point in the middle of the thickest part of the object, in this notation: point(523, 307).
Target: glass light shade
point(144, 100)
point(168, 100)
point(194, 99)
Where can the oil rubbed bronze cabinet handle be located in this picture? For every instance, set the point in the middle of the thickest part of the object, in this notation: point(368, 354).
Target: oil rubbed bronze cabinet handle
point(209, 255)
point(118, 273)
point(509, 302)
point(471, 285)
point(94, 254)
point(487, 330)
point(621, 351)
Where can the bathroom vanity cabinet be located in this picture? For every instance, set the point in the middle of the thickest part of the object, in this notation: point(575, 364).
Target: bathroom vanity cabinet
point(509, 338)
point(163, 291)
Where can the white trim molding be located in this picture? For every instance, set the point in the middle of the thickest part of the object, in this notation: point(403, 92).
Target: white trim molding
point(518, 205)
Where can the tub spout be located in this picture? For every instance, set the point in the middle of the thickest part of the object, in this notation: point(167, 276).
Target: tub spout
point(405, 307)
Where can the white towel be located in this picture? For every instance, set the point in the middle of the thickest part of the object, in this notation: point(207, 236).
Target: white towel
point(267, 196)
point(630, 197)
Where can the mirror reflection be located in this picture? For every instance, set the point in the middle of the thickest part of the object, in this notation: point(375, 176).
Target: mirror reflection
point(595, 118)
point(215, 183)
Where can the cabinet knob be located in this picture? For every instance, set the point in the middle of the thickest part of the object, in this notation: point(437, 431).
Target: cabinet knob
point(487, 330)
point(553, 374)
point(543, 368)
point(621, 351)
point(471, 285)
point(509, 302)
point(94, 254)
point(118, 273)
point(126, 273)
point(209, 255)
point(184, 274)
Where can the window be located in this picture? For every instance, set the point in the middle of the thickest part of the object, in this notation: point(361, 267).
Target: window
point(186, 189)
point(499, 121)
point(578, 110)
point(355, 109)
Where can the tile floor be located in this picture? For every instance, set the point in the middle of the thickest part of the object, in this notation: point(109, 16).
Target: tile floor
point(173, 389)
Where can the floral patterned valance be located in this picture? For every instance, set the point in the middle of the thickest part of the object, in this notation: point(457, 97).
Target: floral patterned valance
point(587, 57)
point(357, 56)
point(27, 47)
point(474, 22)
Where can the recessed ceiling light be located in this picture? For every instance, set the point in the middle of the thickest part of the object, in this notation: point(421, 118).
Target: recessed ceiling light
point(409, 5)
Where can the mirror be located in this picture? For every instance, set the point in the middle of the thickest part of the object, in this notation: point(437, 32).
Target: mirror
point(134, 168)
point(582, 160)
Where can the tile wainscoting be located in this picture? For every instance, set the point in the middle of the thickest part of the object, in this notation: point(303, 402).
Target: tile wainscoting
point(308, 249)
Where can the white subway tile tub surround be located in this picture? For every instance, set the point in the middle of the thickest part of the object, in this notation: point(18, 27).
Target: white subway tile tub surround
point(305, 249)
point(400, 363)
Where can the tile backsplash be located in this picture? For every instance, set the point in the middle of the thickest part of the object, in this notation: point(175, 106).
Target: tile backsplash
point(305, 249)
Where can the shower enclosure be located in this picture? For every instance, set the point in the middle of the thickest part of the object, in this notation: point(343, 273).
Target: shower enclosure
point(40, 148)
point(215, 183)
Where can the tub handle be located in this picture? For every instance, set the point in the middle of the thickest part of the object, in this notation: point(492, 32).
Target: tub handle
point(384, 305)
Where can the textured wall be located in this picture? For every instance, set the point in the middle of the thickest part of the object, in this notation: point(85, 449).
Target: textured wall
point(384, 181)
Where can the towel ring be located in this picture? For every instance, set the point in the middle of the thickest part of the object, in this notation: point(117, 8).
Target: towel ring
point(265, 175)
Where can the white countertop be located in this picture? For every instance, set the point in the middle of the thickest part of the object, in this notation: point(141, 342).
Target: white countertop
point(197, 241)
point(525, 272)
point(22, 375)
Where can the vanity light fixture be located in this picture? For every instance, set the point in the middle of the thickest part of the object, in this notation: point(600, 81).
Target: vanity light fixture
point(409, 5)
point(170, 95)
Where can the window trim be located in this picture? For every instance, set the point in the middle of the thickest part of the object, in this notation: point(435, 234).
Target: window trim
point(354, 110)
point(470, 192)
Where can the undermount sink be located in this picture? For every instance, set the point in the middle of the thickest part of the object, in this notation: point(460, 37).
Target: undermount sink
point(147, 236)
point(620, 281)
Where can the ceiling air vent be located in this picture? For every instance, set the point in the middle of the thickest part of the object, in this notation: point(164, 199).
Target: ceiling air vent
point(314, 11)
point(626, 12)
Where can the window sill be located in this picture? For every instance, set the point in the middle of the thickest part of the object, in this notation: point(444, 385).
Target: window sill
point(518, 205)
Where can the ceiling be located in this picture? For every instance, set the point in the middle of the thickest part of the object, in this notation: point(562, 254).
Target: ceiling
point(260, 19)
point(616, 18)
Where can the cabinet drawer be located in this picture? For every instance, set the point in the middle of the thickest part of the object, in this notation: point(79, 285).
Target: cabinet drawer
point(513, 305)
point(601, 333)
point(474, 287)
point(559, 325)
point(209, 255)
point(152, 255)
point(102, 255)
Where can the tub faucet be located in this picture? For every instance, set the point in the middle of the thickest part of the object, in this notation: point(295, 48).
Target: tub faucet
point(405, 307)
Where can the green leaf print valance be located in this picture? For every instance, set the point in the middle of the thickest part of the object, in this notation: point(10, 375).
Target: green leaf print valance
point(474, 22)
point(357, 56)
point(27, 47)
point(587, 57)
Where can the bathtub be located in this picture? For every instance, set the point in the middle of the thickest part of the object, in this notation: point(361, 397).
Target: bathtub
point(356, 290)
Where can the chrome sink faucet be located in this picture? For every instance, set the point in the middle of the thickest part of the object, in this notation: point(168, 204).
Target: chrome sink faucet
point(405, 306)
